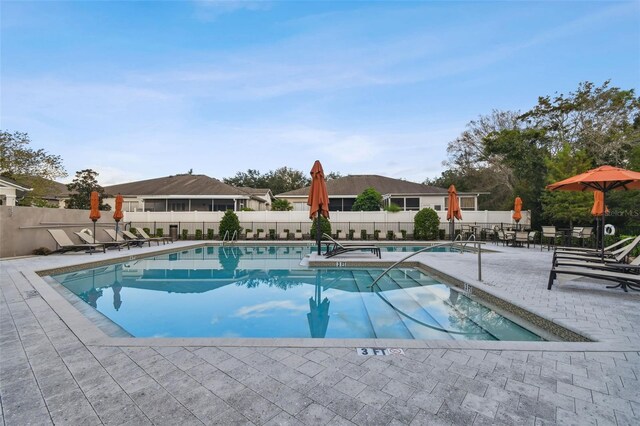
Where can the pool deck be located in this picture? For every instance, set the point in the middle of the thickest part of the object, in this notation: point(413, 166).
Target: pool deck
point(57, 367)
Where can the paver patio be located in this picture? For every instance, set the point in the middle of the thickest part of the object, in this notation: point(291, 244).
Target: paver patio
point(52, 372)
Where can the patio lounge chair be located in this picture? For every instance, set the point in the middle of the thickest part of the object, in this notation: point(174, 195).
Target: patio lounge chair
point(65, 244)
point(616, 256)
point(340, 235)
point(89, 240)
point(334, 248)
point(250, 235)
point(624, 279)
point(297, 235)
point(590, 251)
point(398, 235)
point(262, 235)
point(284, 235)
point(138, 242)
point(146, 236)
point(631, 267)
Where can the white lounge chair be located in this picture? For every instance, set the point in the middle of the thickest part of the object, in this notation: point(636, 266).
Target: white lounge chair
point(90, 240)
point(144, 235)
point(65, 244)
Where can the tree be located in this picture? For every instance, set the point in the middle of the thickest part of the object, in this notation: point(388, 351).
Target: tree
point(251, 178)
point(281, 205)
point(280, 180)
point(369, 201)
point(285, 179)
point(426, 224)
point(469, 166)
point(325, 226)
point(602, 121)
point(31, 168)
point(83, 184)
point(230, 224)
point(567, 206)
point(524, 152)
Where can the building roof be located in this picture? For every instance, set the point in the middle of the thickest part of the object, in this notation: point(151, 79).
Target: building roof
point(255, 191)
point(12, 183)
point(176, 185)
point(355, 184)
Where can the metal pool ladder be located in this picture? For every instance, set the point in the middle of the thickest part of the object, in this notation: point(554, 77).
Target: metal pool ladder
point(233, 238)
point(476, 244)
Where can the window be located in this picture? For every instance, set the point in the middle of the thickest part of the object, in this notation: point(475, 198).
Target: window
point(467, 203)
point(178, 205)
point(412, 204)
point(398, 202)
point(220, 205)
point(201, 205)
point(437, 207)
point(155, 205)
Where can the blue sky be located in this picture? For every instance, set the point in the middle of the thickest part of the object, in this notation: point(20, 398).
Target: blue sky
point(137, 90)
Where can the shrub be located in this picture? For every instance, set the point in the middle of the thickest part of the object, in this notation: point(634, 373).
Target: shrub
point(441, 234)
point(376, 234)
point(260, 230)
point(272, 234)
point(389, 235)
point(42, 251)
point(209, 234)
point(198, 234)
point(426, 223)
point(229, 223)
point(393, 208)
point(185, 234)
point(363, 234)
point(404, 234)
point(246, 209)
point(369, 201)
point(351, 232)
point(148, 231)
point(132, 230)
point(159, 232)
point(281, 205)
point(325, 226)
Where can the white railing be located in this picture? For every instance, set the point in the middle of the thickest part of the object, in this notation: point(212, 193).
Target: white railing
point(476, 244)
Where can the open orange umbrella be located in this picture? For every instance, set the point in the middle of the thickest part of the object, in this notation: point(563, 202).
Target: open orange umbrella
point(453, 209)
point(517, 209)
point(604, 179)
point(318, 200)
point(118, 215)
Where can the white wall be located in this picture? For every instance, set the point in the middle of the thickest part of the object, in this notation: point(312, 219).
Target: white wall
point(298, 216)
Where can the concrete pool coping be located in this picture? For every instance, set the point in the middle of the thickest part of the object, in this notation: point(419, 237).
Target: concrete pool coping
point(90, 334)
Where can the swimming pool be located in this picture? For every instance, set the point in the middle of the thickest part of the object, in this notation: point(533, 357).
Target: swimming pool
point(264, 292)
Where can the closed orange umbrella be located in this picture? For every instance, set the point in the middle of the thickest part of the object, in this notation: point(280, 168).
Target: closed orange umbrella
point(517, 209)
point(118, 215)
point(318, 199)
point(453, 209)
point(604, 179)
point(598, 204)
point(94, 215)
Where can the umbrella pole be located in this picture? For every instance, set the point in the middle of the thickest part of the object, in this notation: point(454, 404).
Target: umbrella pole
point(451, 230)
point(604, 204)
point(318, 231)
point(94, 232)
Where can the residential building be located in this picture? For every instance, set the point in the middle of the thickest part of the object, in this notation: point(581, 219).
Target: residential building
point(187, 193)
point(409, 196)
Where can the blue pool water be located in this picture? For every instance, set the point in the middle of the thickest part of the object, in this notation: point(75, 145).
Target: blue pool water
point(264, 292)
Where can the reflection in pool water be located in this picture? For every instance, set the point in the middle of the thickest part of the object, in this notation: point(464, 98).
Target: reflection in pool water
point(263, 292)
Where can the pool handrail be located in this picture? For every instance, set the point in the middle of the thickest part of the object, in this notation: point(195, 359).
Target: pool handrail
point(477, 244)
